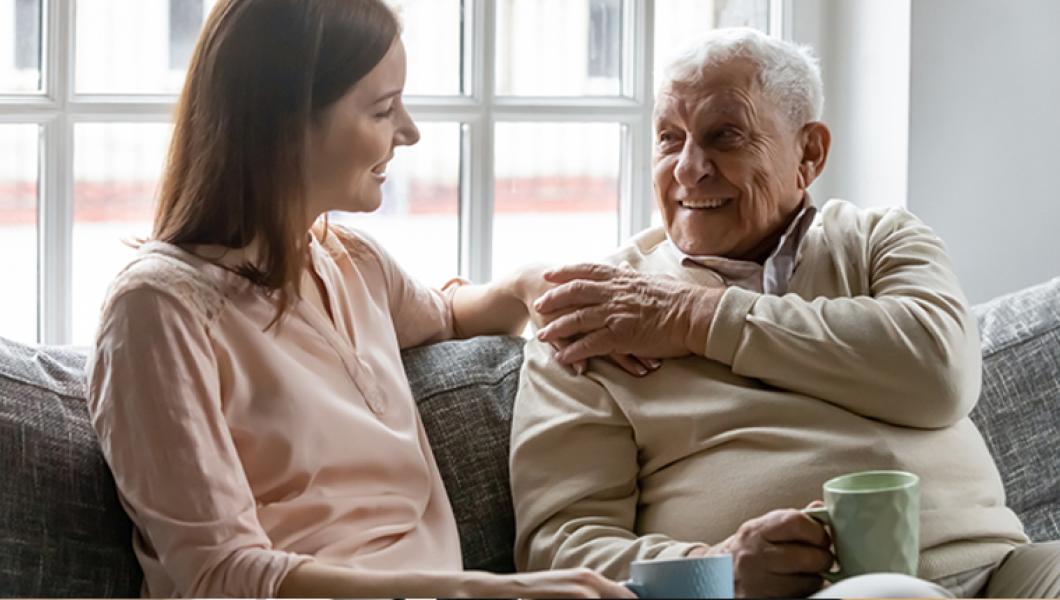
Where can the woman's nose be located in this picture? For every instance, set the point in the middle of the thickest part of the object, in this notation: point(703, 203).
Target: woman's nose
point(407, 133)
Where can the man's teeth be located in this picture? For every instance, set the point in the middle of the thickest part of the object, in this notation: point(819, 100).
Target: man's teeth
point(705, 202)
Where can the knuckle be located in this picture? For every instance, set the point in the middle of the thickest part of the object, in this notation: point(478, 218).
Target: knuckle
point(586, 576)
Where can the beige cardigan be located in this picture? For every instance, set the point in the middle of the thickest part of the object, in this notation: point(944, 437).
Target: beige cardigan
point(871, 361)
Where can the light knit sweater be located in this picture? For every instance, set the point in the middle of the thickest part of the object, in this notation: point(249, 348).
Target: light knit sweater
point(241, 453)
point(871, 361)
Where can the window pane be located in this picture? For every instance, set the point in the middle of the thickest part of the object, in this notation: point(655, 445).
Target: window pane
point(556, 196)
point(432, 33)
point(18, 231)
point(20, 46)
point(418, 222)
point(136, 46)
point(116, 170)
point(679, 22)
point(559, 47)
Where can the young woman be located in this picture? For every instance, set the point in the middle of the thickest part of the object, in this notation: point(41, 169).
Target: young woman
point(247, 386)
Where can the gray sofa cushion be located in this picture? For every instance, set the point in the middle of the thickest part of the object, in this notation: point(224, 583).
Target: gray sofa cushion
point(62, 531)
point(465, 391)
point(1019, 407)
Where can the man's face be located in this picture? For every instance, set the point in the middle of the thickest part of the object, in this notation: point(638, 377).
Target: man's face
point(725, 164)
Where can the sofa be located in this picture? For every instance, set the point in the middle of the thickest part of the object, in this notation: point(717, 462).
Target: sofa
point(64, 533)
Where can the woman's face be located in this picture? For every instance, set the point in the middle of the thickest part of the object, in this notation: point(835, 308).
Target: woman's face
point(350, 145)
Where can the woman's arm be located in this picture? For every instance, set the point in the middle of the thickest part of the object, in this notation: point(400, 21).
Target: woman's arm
point(316, 580)
point(498, 307)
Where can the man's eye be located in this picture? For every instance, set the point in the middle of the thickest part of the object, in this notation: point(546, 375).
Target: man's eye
point(727, 134)
point(666, 138)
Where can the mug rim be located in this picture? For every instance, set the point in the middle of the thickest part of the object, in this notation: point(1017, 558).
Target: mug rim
point(912, 479)
point(648, 561)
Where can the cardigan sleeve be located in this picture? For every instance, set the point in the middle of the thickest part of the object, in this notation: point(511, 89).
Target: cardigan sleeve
point(905, 352)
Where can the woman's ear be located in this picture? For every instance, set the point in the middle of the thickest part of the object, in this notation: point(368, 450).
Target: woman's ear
point(815, 140)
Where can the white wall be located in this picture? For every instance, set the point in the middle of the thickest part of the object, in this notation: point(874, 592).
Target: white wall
point(984, 143)
point(951, 108)
point(864, 52)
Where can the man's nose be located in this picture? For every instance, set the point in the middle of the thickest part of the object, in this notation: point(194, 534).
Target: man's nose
point(693, 165)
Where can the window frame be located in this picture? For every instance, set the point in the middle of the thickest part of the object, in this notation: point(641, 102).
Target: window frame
point(58, 108)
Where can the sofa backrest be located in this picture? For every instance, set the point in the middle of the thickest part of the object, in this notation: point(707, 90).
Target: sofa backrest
point(62, 529)
point(1019, 407)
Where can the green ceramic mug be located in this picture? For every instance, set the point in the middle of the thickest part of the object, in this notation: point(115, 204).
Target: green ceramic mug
point(875, 521)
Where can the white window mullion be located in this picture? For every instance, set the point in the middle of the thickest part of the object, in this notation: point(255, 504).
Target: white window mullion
point(635, 200)
point(476, 206)
point(55, 199)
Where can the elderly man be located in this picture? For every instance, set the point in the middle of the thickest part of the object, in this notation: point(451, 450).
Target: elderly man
point(800, 345)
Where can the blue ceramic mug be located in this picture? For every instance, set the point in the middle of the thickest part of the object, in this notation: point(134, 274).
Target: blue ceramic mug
point(700, 577)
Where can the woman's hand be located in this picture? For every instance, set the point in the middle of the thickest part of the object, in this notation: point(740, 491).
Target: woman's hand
point(314, 579)
point(567, 583)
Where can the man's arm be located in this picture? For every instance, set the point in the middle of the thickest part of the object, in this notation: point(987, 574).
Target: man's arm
point(574, 475)
point(907, 353)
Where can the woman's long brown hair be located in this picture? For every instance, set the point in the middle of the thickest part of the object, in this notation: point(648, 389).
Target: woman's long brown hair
point(262, 72)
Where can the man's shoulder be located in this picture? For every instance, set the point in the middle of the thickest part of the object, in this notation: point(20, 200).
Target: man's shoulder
point(642, 250)
point(841, 216)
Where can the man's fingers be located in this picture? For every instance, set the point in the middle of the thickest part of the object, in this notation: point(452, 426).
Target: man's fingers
point(630, 364)
point(792, 526)
point(571, 295)
point(594, 271)
point(579, 322)
point(597, 343)
point(798, 558)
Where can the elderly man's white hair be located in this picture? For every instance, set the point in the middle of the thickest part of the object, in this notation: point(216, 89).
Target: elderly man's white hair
point(789, 73)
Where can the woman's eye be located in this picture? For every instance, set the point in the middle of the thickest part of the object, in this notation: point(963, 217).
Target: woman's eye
point(384, 114)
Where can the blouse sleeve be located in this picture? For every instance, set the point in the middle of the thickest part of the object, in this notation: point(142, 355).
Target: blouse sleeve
point(155, 404)
point(421, 314)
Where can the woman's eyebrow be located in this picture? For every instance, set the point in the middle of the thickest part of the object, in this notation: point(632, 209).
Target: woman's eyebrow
point(387, 96)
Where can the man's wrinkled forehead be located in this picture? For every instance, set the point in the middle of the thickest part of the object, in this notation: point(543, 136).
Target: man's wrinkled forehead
point(729, 89)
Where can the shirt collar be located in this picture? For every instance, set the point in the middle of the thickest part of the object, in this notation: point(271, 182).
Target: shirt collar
point(771, 276)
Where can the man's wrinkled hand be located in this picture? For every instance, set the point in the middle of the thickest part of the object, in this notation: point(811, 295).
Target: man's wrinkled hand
point(780, 554)
point(605, 310)
point(530, 284)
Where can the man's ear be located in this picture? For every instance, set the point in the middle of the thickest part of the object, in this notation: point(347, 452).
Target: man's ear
point(815, 139)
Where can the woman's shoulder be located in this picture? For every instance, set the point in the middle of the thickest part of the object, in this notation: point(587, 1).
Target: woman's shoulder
point(162, 273)
point(343, 241)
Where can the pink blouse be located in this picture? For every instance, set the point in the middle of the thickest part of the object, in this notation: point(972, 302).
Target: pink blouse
point(240, 453)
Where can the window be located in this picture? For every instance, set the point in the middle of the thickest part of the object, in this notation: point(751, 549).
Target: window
point(185, 21)
point(27, 38)
point(605, 26)
point(20, 46)
point(535, 121)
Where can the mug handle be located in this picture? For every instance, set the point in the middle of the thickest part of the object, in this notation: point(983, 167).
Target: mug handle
point(820, 514)
point(634, 587)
